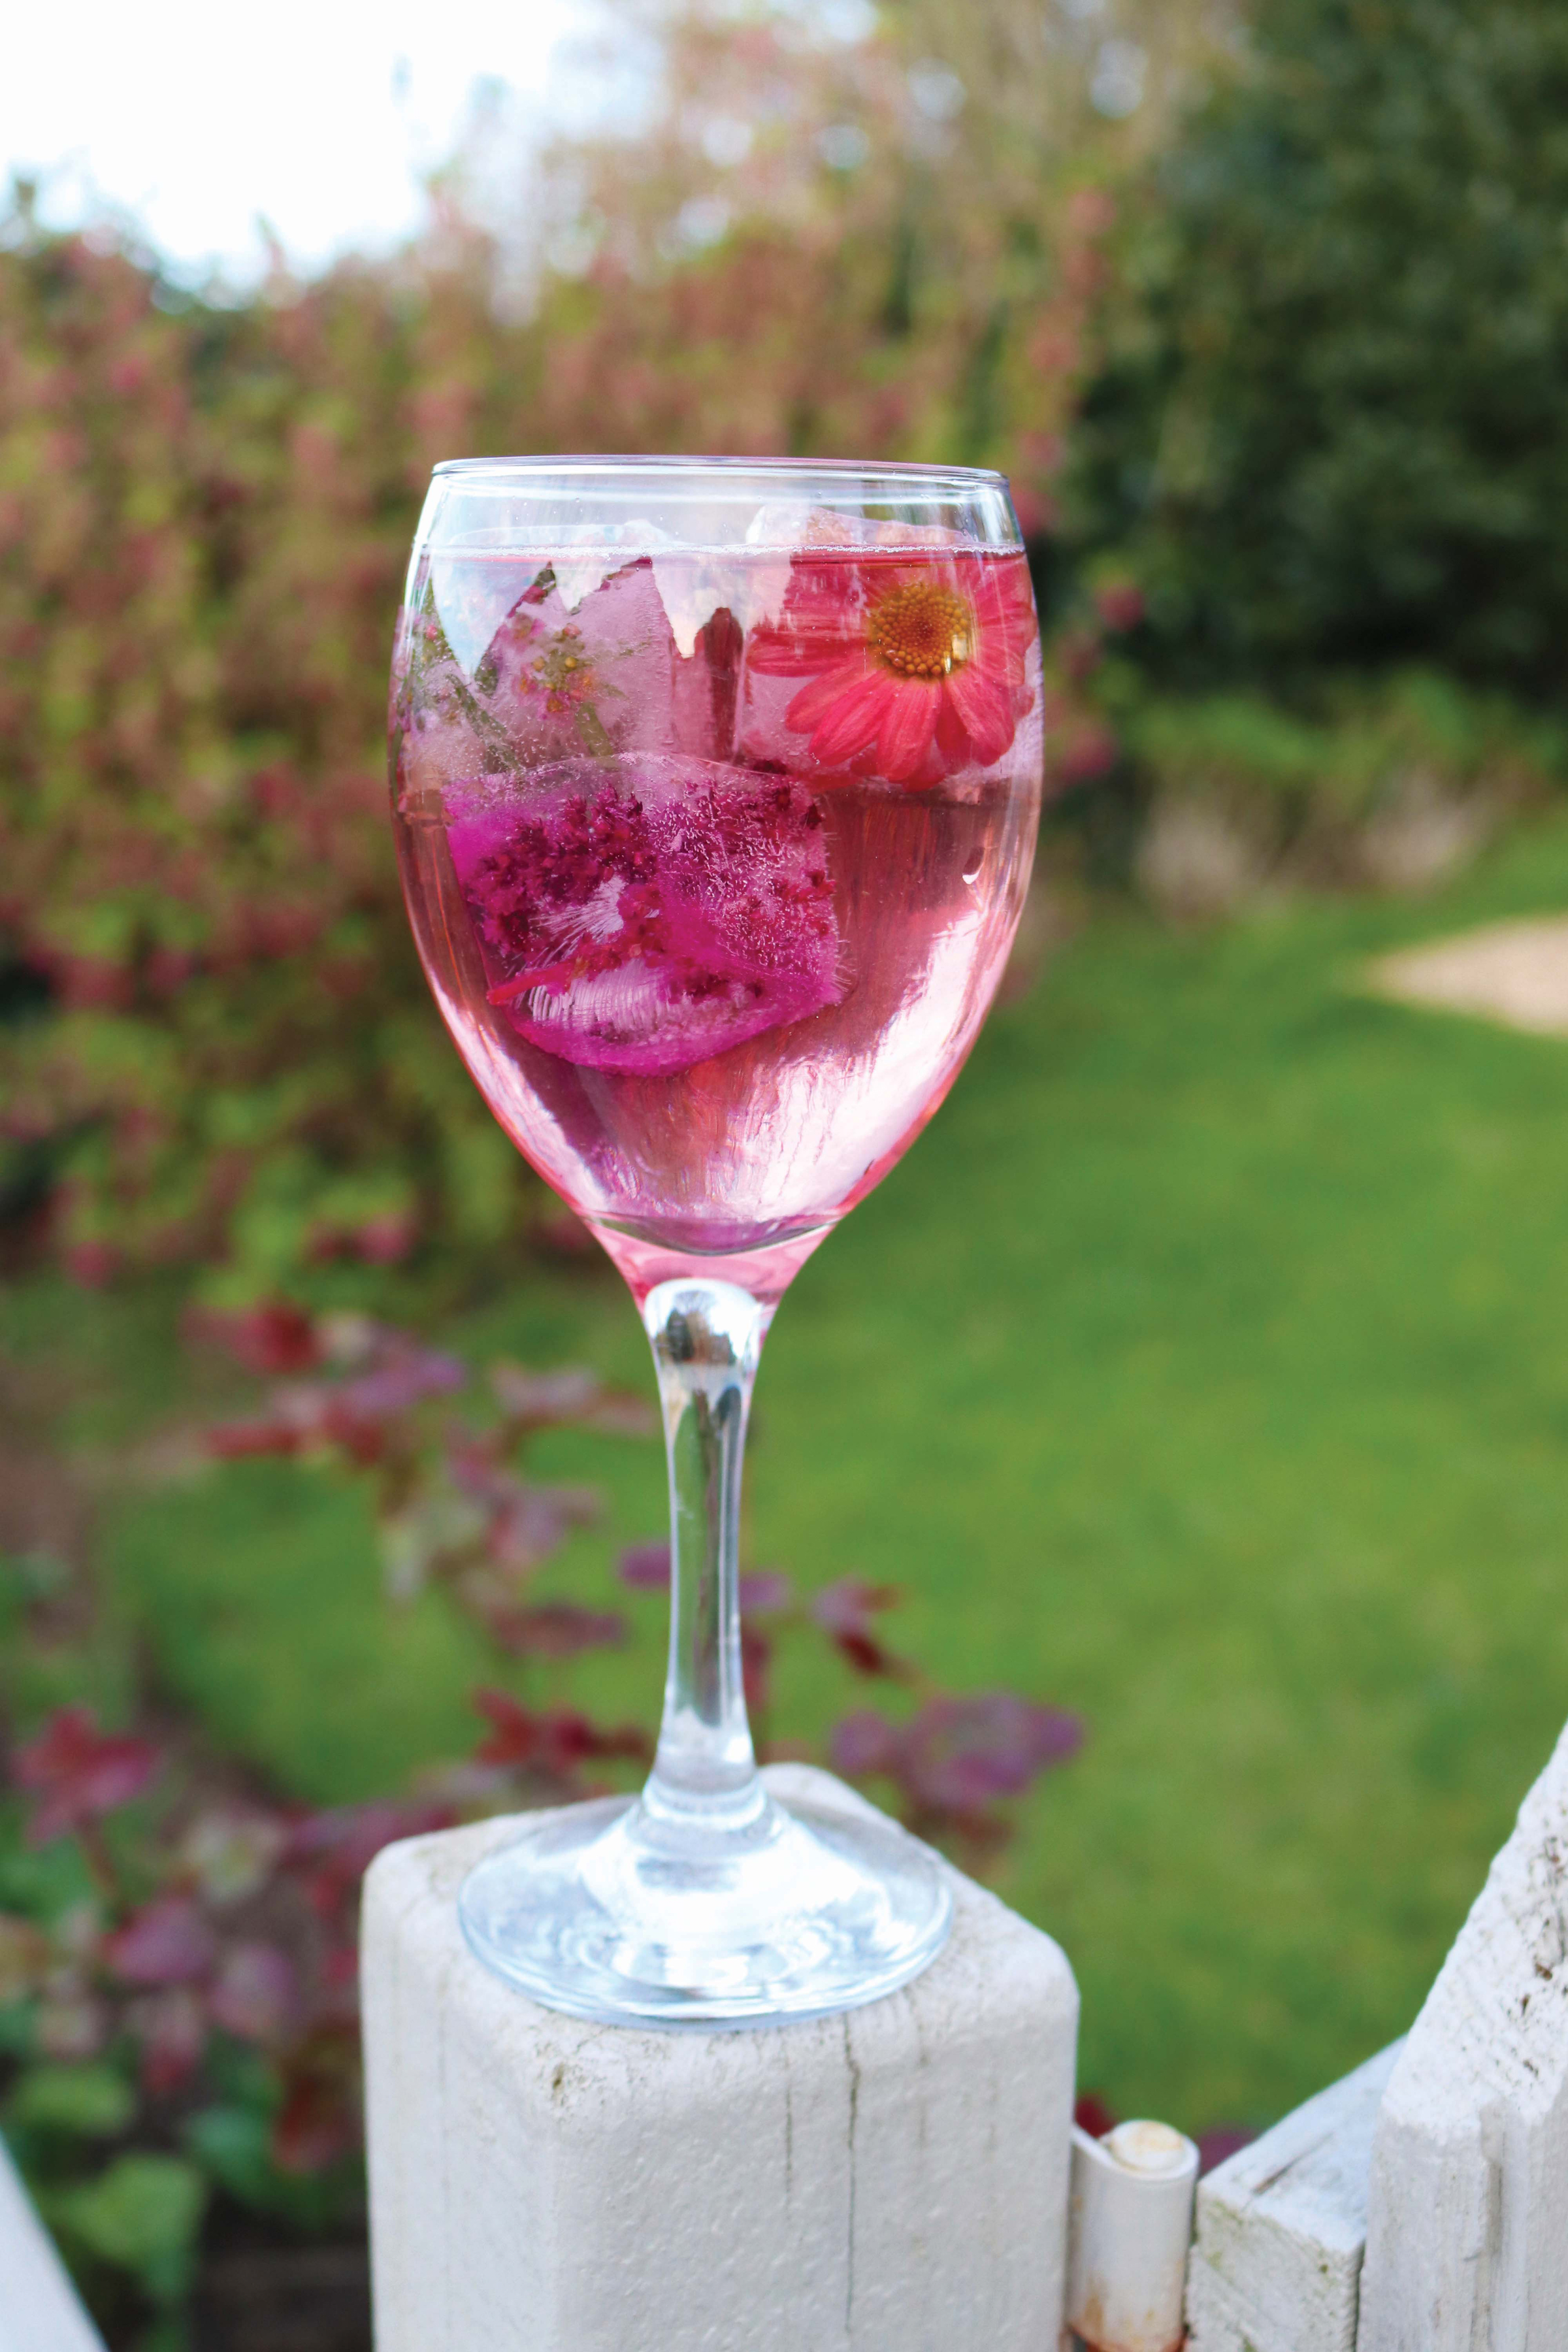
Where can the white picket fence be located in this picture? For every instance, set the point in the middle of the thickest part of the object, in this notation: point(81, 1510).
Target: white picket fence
point(39, 2310)
point(907, 2179)
point(1428, 2193)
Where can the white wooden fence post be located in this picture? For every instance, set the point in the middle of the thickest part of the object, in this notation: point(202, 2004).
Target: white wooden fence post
point(39, 2311)
point(893, 2180)
point(1421, 2205)
point(1282, 2228)
point(1468, 2214)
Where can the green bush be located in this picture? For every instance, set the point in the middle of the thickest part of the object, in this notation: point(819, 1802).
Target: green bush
point(1391, 783)
point(1364, 749)
point(1332, 424)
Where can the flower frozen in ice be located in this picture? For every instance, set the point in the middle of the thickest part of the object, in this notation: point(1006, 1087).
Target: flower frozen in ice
point(915, 669)
point(646, 913)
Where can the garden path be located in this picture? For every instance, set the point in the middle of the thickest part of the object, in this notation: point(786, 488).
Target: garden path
point(1513, 972)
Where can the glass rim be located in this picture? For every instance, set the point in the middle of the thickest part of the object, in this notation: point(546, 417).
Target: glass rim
point(921, 476)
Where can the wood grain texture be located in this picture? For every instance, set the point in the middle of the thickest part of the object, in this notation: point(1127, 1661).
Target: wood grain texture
point(1468, 2218)
point(893, 2180)
point(1282, 2228)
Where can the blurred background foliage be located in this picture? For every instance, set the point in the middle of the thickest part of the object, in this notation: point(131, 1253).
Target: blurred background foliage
point(1326, 425)
point(1265, 318)
point(220, 1050)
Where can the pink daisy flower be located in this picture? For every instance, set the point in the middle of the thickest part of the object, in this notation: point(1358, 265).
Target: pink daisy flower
point(916, 668)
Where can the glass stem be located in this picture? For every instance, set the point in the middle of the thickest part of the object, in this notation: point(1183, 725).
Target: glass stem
point(707, 1338)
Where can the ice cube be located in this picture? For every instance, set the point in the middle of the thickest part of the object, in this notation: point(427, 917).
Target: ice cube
point(644, 913)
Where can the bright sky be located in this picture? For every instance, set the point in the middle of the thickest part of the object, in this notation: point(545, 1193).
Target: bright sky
point(196, 115)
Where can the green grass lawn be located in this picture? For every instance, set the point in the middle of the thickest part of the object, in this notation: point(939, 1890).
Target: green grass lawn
point(1202, 1368)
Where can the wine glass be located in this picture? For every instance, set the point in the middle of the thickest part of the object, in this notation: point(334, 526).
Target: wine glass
point(715, 784)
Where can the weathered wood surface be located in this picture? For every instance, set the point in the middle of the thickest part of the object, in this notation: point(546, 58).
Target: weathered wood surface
point(1282, 2228)
point(1468, 2220)
point(894, 2179)
point(39, 2310)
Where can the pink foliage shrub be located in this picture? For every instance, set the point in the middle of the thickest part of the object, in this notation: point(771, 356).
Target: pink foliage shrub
point(205, 515)
point(200, 1916)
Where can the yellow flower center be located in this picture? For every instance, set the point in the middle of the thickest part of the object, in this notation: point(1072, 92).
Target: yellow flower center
point(921, 631)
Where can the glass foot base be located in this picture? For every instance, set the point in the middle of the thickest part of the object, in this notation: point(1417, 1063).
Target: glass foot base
point(613, 1912)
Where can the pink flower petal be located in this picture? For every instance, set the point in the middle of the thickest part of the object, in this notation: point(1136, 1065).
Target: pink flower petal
point(1004, 599)
point(906, 732)
point(952, 735)
point(855, 721)
point(797, 651)
point(815, 700)
point(861, 715)
point(981, 700)
point(821, 621)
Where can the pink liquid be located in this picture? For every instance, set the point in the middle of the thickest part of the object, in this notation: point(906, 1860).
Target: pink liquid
point(712, 880)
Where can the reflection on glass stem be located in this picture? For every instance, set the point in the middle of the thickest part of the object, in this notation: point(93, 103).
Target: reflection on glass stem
point(707, 1338)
